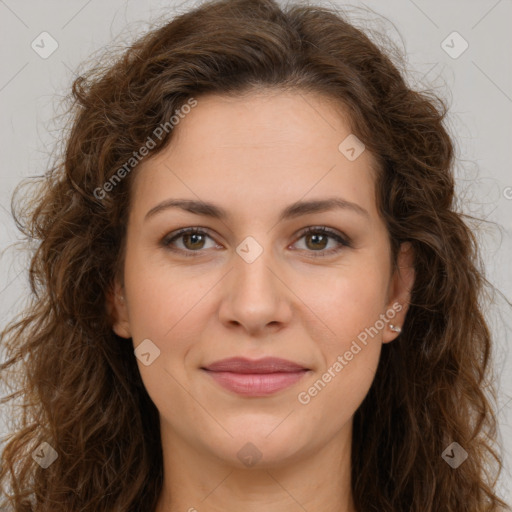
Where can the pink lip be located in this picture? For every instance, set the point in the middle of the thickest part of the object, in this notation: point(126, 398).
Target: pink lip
point(255, 377)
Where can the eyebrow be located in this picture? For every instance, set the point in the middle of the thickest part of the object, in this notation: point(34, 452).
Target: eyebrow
point(290, 212)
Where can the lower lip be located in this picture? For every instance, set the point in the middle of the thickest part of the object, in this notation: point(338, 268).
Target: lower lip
point(256, 384)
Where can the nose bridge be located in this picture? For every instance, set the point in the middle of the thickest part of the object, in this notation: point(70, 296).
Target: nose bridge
point(255, 297)
point(252, 277)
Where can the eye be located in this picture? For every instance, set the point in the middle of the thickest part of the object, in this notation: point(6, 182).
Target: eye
point(317, 239)
point(192, 241)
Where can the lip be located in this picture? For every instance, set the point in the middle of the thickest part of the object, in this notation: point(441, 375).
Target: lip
point(264, 365)
point(259, 377)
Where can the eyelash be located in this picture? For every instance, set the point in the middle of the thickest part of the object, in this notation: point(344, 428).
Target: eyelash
point(344, 241)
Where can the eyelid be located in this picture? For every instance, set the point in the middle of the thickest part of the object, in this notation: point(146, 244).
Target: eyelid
point(338, 236)
point(170, 237)
point(325, 230)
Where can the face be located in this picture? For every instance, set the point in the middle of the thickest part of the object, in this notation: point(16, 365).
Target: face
point(270, 272)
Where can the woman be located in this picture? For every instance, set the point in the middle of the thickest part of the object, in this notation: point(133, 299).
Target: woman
point(252, 290)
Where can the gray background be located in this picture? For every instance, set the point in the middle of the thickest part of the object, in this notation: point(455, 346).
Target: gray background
point(477, 84)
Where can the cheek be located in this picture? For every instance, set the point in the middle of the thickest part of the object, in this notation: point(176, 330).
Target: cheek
point(162, 296)
point(347, 328)
point(165, 306)
point(345, 301)
point(349, 350)
point(171, 306)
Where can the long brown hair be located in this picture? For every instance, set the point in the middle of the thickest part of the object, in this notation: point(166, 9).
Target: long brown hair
point(77, 383)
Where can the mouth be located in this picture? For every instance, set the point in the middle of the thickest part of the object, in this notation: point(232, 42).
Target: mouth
point(255, 378)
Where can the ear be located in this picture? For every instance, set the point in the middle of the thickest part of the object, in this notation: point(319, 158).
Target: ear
point(118, 310)
point(400, 288)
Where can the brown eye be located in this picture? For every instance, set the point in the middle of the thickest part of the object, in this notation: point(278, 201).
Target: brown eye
point(317, 240)
point(193, 241)
point(188, 241)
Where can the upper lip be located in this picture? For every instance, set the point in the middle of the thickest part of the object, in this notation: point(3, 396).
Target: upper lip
point(264, 365)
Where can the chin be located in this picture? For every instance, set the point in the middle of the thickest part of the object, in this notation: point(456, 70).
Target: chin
point(262, 448)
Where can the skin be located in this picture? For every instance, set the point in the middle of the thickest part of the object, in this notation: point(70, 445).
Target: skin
point(255, 155)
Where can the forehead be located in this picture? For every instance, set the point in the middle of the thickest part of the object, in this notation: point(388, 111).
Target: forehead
point(258, 150)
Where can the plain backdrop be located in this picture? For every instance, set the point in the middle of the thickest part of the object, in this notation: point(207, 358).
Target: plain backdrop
point(470, 68)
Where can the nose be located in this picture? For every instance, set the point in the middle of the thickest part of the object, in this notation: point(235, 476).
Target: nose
point(256, 297)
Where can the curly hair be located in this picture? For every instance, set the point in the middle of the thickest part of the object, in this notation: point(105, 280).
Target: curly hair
point(78, 384)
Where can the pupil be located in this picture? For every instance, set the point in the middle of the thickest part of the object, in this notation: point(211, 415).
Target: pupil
point(195, 238)
point(316, 237)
